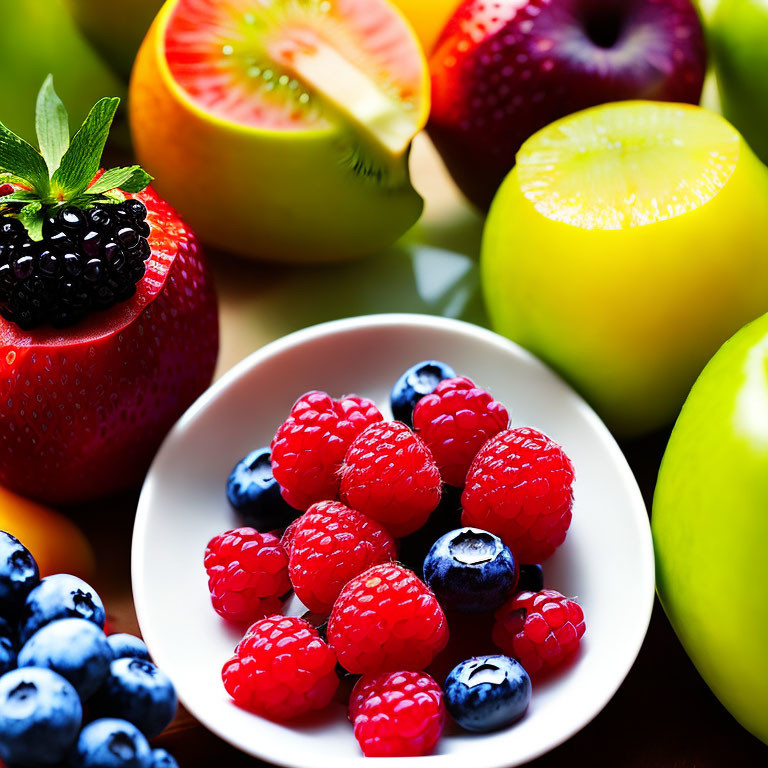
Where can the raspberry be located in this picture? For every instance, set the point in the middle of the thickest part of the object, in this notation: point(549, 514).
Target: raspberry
point(390, 475)
point(520, 488)
point(540, 629)
point(397, 714)
point(386, 619)
point(455, 421)
point(281, 669)
point(310, 444)
point(330, 545)
point(287, 538)
point(247, 574)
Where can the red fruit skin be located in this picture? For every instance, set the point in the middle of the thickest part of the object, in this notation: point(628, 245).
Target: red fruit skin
point(503, 69)
point(390, 475)
point(520, 487)
point(330, 545)
point(397, 714)
point(386, 619)
point(281, 669)
point(247, 574)
point(455, 421)
point(540, 629)
point(85, 408)
point(310, 444)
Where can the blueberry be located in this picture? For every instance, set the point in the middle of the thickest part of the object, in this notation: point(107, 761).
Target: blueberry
point(419, 380)
point(111, 743)
point(60, 596)
point(486, 693)
point(126, 646)
point(446, 517)
point(18, 575)
point(470, 570)
point(161, 759)
point(255, 494)
point(40, 716)
point(531, 578)
point(139, 692)
point(75, 648)
point(7, 647)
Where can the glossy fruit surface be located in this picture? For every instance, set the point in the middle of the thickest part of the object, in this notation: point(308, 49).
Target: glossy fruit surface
point(709, 508)
point(626, 245)
point(738, 31)
point(86, 407)
point(502, 70)
point(306, 112)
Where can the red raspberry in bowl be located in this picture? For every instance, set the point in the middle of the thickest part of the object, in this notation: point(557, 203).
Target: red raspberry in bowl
point(520, 488)
point(281, 669)
point(390, 475)
point(247, 574)
point(540, 629)
point(455, 421)
point(310, 444)
point(386, 619)
point(331, 544)
point(397, 714)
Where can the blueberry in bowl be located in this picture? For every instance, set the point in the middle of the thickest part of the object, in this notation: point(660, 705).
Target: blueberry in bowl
point(417, 382)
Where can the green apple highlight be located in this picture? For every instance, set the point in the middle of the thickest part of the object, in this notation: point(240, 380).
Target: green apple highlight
point(710, 526)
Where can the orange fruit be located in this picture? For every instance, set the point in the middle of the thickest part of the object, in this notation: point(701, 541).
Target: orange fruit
point(281, 130)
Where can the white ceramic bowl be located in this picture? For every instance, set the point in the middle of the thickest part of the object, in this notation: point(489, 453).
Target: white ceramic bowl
point(606, 561)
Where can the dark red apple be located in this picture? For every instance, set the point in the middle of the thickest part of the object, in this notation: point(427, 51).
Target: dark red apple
point(503, 69)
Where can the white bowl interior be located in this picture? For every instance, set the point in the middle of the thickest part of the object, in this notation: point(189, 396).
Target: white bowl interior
point(606, 561)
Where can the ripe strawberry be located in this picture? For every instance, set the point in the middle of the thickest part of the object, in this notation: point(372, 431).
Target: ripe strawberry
point(85, 407)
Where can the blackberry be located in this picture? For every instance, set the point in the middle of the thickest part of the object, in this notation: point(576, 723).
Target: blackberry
point(87, 260)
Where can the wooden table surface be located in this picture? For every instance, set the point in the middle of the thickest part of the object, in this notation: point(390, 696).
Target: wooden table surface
point(663, 716)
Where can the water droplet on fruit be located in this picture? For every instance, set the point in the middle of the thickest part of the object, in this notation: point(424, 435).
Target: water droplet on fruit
point(227, 50)
point(10, 358)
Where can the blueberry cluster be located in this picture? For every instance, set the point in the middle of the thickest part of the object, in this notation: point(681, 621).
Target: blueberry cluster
point(58, 666)
point(87, 260)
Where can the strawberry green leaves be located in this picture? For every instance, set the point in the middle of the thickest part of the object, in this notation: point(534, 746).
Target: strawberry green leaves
point(61, 172)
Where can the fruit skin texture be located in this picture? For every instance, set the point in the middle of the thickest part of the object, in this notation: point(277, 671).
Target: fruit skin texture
point(125, 646)
point(86, 408)
point(486, 693)
point(265, 171)
point(40, 716)
point(605, 322)
point(397, 714)
point(332, 544)
point(390, 475)
point(520, 488)
point(8, 646)
point(137, 691)
point(111, 743)
point(709, 507)
point(503, 70)
point(281, 669)
point(161, 759)
point(419, 380)
point(19, 574)
point(247, 574)
point(455, 421)
point(74, 648)
point(737, 33)
point(470, 570)
point(386, 619)
point(540, 629)
point(60, 596)
point(310, 444)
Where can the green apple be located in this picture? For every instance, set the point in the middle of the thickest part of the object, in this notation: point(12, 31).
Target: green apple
point(115, 28)
point(710, 526)
point(738, 36)
point(37, 39)
point(627, 244)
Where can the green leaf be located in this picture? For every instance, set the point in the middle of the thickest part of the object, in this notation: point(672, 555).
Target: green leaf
point(20, 196)
point(81, 161)
point(32, 218)
point(132, 179)
point(52, 125)
point(22, 160)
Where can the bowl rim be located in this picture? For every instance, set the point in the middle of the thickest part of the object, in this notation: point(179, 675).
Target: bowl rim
point(404, 320)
